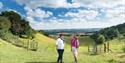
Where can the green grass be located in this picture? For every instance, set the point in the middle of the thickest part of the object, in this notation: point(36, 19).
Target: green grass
point(84, 40)
point(47, 53)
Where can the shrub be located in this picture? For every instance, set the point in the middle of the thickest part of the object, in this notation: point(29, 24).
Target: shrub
point(44, 33)
point(9, 37)
point(123, 49)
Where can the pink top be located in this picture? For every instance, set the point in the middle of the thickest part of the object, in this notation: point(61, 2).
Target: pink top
point(74, 42)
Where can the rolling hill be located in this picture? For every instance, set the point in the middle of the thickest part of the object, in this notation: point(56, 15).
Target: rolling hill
point(46, 53)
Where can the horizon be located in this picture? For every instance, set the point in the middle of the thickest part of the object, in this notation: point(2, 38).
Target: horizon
point(71, 29)
point(68, 14)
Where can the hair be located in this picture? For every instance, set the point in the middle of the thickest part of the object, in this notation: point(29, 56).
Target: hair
point(60, 35)
point(75, 36)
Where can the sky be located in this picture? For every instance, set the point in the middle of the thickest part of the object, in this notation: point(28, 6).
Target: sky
point(68, 14)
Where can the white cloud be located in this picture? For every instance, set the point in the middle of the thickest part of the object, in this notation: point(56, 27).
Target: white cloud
point(100, 3)
point(114, 13)
point(1, 5)
point(74, 24)
point(86, 14)
point(47, 3)
point(37, 13)
point(31, 13)
point(86, 19)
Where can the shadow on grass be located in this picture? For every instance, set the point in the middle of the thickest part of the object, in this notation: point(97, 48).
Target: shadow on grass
point(41, 62)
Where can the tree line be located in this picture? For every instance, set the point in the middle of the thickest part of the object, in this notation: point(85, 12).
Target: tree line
point(105, 35)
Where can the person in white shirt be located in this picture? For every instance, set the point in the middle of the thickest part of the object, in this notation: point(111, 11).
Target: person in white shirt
point(60, 48)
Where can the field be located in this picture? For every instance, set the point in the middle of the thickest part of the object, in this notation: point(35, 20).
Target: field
point(46, 52)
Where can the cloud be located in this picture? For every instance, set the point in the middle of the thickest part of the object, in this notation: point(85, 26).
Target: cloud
point(37, 13)
point(47, 3)
point(75, 3)
point(100, 3)
point(1, 5)
point(86, 14)
point(74, 24)
point(86, 19)
point(116, 15)
point(99, 13)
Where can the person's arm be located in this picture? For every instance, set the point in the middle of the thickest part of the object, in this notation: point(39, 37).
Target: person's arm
point(71, 44)
point(77, 43)
point(57, 44)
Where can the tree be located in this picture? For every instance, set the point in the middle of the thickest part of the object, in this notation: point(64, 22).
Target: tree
point(15, 18)
point(110, 33)
point(43, 32)
point(12, 16)
point(18, 26)
point(26, 29)
point(4, 23)
point(99, 39)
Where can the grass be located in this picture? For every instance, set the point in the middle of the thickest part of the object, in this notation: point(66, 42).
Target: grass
point(84, 40)
point(47, 53)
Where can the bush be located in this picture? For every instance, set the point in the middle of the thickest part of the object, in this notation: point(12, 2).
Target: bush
point(123, 49)
point(5, 24)
point(44, 33)
point(9, 37)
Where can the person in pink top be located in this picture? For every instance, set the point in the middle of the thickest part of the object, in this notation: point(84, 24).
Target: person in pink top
point(74, 47)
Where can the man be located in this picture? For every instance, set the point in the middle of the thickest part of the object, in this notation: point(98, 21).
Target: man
point(74, 47)
point(60, 48)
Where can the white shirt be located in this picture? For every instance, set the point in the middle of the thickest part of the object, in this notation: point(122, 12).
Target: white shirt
point(59, 43)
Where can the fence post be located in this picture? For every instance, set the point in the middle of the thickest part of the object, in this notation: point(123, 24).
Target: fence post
point(89, 48)
point(104, 48)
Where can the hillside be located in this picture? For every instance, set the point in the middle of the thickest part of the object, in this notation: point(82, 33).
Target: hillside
point(110, 33)
point(120, 27)
point(12, 54)
point(41, 38)
point(46, 53)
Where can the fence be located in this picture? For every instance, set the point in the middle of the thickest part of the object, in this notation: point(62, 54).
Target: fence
point(32, 45)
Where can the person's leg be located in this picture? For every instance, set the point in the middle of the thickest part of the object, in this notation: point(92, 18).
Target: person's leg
point(75, 58)
point(58, 55)
point(61, 55)
point(74, 50)
point(75, 55)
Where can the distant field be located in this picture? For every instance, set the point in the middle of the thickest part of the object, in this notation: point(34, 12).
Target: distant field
point(84, 40)
point(47, 53)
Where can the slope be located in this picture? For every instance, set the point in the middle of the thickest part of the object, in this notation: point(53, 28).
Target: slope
point(47, 53)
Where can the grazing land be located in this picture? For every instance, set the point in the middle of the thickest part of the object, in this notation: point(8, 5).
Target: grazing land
point(46, 52)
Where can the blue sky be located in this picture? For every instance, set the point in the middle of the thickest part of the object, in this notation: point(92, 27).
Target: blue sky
point(68, 14)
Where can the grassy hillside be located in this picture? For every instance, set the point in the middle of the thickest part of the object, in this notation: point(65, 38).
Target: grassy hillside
point(42, 38)
point(46, 53)
point(12, 54)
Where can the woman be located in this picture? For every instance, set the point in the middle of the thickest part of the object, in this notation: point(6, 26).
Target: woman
point(60, 48)
point(74, 47)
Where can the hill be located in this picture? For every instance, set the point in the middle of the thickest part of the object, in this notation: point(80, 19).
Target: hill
point(19, 33)
point(13, 54)
point(46, 53)
point(110, 33)
point(55, 31)
point(13, 27)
